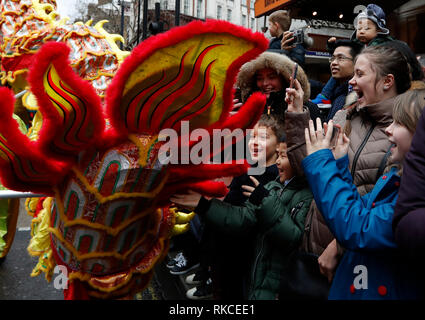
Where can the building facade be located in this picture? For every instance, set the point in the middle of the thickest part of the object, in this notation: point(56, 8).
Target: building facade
point(234, 11)
point(239, 12)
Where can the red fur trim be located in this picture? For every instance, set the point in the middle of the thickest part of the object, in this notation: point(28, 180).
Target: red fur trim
point(172, 37)
point(213, 189)
point(207, 171)
point(57, 54)
point(48, 172)
point(245, 118)
point(249, 114)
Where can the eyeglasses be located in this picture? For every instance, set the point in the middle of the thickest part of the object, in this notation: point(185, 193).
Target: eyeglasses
point(339, 58)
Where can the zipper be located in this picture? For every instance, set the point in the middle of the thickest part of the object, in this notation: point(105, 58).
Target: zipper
point(256, 262)
point(360, 149)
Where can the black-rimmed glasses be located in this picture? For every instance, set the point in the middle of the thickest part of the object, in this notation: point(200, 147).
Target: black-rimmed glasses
point(339, 58)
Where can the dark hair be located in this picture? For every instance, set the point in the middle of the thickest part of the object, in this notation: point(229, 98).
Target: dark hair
point(414, 65)
point(275, 123)
point(387, 60)
point(355, 47)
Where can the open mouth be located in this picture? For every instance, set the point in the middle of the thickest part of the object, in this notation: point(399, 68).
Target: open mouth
point(360, 96)
point(255, 152)
point(268, 91)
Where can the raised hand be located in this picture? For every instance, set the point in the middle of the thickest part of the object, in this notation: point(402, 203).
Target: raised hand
point(315, 139)
point(249, 189)
point(295, 97)
point(285, 44)
point(236, 106)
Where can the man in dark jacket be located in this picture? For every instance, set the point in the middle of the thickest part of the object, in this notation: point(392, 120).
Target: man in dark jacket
point(342, 70)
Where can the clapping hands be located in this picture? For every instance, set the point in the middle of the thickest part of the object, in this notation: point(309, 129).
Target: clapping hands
point(321, 139)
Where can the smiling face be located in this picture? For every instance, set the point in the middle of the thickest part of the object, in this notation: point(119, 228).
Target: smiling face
point(267, 80)
point(282, 163)
point(262, 145)
point(401, 137)
point(364, 82)
point(342, 67)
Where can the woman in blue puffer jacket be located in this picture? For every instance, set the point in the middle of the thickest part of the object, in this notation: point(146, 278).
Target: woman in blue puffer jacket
point(372, 267)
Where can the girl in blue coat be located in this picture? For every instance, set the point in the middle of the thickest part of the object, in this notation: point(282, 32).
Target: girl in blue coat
point(372, 266)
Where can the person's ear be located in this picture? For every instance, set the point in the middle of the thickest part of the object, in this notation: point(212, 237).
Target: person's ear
point(389, 81)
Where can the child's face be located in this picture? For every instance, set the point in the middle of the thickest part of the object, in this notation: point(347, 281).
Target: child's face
point(282, 163)
point(273, 28)
point(262, 145)
point(268, 80)
point(366, 30)
point(401, 137)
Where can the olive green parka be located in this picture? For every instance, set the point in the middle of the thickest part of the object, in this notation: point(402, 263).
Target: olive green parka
point(276, 213)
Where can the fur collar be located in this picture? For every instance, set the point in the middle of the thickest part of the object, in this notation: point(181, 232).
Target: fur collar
point(279, 62)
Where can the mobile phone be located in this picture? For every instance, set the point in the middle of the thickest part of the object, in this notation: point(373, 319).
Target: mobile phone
point(334, 137)
point(294, 75)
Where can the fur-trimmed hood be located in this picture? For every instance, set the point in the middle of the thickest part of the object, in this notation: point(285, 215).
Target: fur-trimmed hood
point(279, 62)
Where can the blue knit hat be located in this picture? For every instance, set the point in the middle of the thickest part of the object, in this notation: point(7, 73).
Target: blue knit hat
point(374, 13)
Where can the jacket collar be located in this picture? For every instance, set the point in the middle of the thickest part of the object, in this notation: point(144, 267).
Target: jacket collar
point(381, 112)
point(279, 62)
point(296, 182)
point(341, 88)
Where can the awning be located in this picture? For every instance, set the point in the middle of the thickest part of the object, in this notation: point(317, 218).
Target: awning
point(265, 7)
point(326, 9)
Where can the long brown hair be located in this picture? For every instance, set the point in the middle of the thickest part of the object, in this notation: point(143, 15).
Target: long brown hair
point(386, 60)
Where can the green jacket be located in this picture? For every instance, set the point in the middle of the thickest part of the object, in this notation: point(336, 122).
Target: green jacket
point(277, 214)
point(378, 40)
